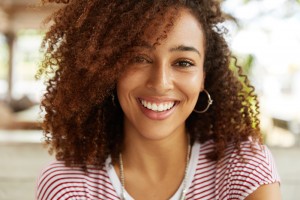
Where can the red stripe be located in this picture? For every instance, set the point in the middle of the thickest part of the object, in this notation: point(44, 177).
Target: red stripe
point(55, 180)
point(197, 193)
point(54, 172)
point(104, 196)
point(90, 188)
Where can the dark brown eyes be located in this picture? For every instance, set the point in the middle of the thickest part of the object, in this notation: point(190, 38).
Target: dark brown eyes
point(140, 59)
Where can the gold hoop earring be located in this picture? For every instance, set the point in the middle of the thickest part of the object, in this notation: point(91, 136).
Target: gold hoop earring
point(209, 102)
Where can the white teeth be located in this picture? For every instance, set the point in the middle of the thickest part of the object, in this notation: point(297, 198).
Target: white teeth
point(160, 107)
point(148, 105)
point(157, 107)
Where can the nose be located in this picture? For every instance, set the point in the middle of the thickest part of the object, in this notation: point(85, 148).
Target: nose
point(160, 78)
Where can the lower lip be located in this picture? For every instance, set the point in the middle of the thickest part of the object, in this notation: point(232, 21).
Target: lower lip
point(156, 115)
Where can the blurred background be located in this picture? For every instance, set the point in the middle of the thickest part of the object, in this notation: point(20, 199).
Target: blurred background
point(264, 35)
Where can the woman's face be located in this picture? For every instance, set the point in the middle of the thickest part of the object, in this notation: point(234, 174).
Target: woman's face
point(160, 86)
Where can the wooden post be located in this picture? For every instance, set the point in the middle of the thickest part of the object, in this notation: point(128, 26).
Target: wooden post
point(10, 38)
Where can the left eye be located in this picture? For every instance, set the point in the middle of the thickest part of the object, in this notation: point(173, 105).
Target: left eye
point(184, 63)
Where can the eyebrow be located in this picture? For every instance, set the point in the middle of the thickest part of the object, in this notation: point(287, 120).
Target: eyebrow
point(185, 48)
point(177, 48)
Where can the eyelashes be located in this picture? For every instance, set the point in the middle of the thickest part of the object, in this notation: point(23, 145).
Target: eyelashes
point(140, 59)
point(181, 62)
point(184, 63)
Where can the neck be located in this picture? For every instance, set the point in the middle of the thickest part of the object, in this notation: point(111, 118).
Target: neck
point(158, 166)
point(156, 158)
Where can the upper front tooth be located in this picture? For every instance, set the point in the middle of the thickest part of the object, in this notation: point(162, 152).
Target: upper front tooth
point(160, 107)
point(154, 107)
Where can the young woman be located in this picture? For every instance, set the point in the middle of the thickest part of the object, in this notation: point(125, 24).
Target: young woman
point(143, 105)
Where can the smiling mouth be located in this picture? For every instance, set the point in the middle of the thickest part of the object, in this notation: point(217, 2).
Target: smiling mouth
point(157, 107)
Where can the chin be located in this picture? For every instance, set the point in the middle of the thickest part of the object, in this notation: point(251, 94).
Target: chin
point(159, 133)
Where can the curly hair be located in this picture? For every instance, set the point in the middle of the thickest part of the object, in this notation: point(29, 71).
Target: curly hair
point(85, 51)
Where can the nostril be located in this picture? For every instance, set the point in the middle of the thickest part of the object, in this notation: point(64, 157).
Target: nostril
point(160, 80)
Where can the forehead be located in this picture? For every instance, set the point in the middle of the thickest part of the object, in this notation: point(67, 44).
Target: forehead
point(181, 21)
point(173, 29)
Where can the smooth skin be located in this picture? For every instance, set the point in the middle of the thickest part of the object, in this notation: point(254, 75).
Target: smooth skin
point(154, 144)
point(266, 192)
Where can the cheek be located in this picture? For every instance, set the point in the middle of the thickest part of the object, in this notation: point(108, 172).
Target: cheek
point(127, 84)
point(192, 88)
point(122, 94)
point(122, 88)
point(125, 80)
point(192, 84)
point(197, 80)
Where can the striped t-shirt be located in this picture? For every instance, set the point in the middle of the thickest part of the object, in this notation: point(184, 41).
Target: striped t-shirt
point(235, 176)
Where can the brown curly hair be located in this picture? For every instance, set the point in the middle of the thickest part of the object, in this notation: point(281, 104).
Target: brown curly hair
point(85, 51)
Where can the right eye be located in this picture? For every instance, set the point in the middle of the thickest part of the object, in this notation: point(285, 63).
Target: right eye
point(141, 59)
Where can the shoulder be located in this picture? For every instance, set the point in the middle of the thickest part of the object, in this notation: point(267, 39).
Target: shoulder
point(243, 171)
point(253, 157)
point(57, 181)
